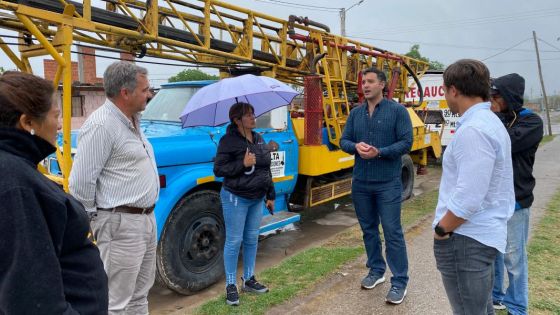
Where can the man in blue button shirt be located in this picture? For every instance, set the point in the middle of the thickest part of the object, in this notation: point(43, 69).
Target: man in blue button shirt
point(476, 196)
point(378, 133)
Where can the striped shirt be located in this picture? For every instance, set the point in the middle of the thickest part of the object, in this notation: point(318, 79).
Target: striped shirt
point(389, 129)
point(114, 164)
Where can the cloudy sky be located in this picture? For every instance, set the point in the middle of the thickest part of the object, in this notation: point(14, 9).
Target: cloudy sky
point(499, 32)
point(448, 30)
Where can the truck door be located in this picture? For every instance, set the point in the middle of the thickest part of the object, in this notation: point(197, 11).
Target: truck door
point(275, 126)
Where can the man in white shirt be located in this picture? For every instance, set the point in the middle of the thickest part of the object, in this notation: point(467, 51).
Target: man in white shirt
point(476, 196)
point(115, 177)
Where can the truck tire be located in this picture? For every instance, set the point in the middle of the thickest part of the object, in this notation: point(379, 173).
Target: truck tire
point(190, 251)
point(407, 176)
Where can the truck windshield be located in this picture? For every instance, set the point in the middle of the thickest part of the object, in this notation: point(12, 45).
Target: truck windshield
point(168, 104)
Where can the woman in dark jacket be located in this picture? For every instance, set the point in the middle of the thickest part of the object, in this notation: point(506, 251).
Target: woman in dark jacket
point(243, 160)
point(48, 264)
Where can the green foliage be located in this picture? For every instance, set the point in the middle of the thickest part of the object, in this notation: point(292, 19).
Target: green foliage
point(192, 75)
point(436, 65)
point(544, 257)
point(415, 53)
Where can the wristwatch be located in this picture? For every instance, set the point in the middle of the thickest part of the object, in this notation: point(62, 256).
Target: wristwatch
point(440, 231)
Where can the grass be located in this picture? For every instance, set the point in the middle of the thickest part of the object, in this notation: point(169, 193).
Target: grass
point(544, 259)
point(297, 274)
point(544, 262)
point(419, 207)
point(288, 279)
point(547, 139)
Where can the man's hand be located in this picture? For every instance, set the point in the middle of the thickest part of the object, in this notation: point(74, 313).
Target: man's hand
point(366, 151)
point(250, 159)
point(449, 222)
point(270, 206)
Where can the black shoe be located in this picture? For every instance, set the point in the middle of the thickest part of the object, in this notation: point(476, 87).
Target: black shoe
point(252, 285)
point(232, 297)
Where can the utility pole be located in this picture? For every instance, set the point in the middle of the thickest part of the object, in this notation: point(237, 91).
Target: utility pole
point(542, 85)
point(343, 22)
point(343, 17)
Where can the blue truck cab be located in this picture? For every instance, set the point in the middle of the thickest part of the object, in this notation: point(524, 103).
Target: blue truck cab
point(191, 231)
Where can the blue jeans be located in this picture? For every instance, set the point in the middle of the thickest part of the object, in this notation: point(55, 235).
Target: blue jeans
point(467, 271)
point(516, 298)
point(380, 202)
point(242, 219)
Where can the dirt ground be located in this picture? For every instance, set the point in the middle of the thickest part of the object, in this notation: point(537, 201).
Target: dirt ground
point(318, 225)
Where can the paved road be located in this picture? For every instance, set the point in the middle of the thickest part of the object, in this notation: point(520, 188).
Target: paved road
point(341, 293)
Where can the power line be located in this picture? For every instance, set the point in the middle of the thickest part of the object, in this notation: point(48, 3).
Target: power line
point(301, 6)
point(482, 20)
point(443, 45)
point(507, 49)
point(472, 22)
point(305, 5)
point(522, 60)
point(549, 44)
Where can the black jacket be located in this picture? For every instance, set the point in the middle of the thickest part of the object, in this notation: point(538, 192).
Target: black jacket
point(525, 129)
point(238, 179)
point(47, 264)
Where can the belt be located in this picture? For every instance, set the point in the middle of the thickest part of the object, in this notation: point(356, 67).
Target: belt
point(131, 210)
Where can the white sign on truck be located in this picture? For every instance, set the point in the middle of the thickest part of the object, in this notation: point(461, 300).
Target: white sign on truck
point(434, 98)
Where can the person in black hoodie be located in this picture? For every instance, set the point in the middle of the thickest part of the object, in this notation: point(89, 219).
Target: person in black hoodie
point(243, 160)
point(48, 264)
point(525, 129)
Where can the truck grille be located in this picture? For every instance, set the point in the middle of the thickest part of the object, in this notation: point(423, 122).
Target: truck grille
point(330, 191)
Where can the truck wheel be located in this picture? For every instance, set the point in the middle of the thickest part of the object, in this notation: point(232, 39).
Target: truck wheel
point(190, 252)
point(407, 176)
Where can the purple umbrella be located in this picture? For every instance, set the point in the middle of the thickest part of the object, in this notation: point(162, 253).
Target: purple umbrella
point(210, 105)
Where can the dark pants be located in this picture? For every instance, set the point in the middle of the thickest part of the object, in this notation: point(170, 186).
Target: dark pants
point(377, 202)
point(467, 271)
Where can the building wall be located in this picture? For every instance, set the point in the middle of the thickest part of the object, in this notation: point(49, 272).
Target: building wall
point(91, 92)
point(50, 67)
point(91, 101)
point(88, 67)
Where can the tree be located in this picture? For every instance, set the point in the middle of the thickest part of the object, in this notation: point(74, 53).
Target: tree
point(415, 53)
point(2, 70)
point(436, 65)
point(192, 75)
